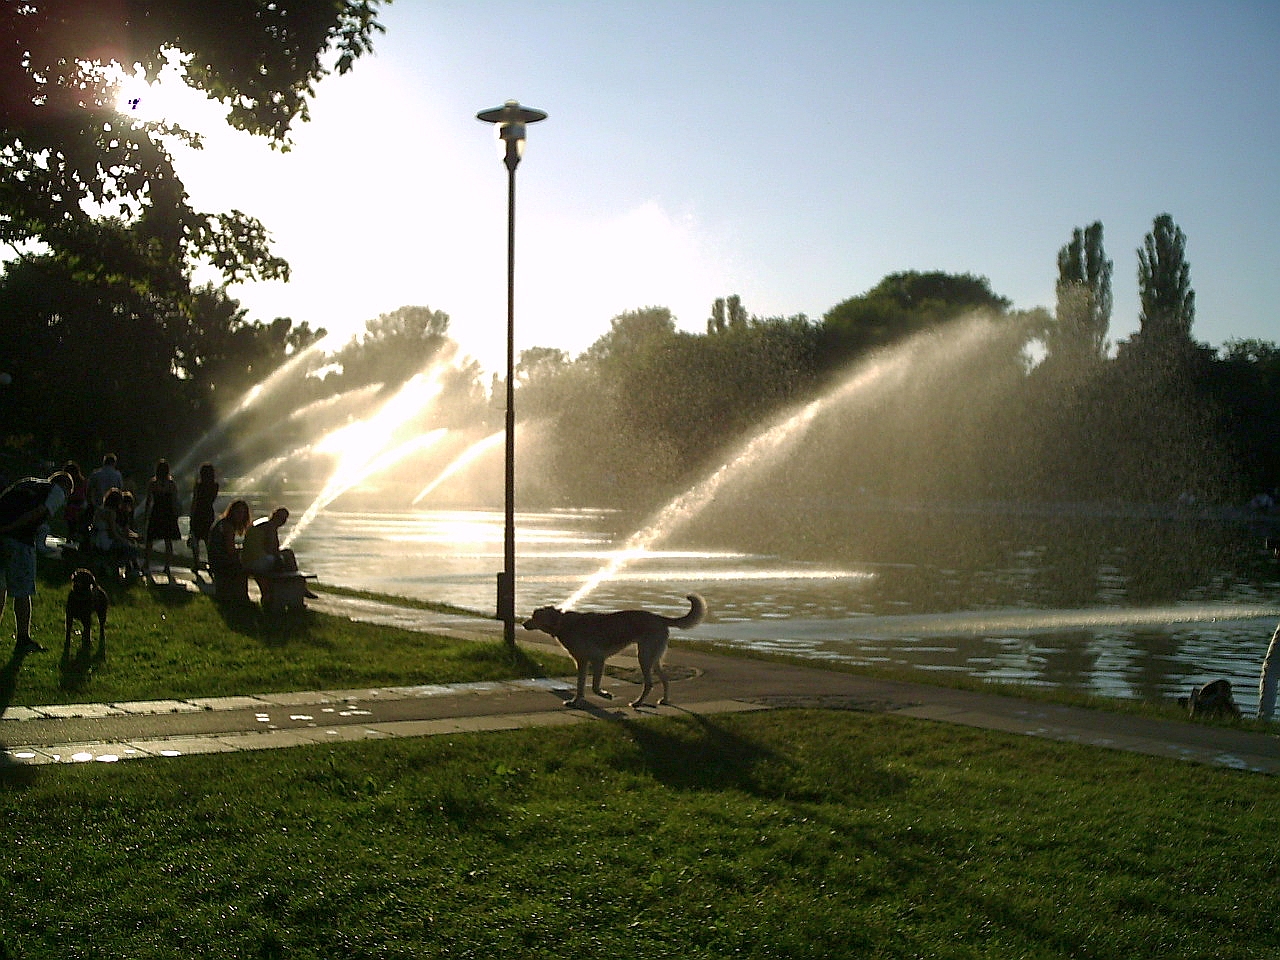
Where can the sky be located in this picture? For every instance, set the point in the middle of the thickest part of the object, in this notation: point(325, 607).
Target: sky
point(792, 153)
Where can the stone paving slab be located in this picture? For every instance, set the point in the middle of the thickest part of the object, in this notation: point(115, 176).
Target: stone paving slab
point(78, 710)
point(228, 703)
point(151, 707)
point(20, 713)
point(183, 746)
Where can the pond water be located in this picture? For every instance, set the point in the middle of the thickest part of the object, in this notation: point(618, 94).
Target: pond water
point(1132, 606)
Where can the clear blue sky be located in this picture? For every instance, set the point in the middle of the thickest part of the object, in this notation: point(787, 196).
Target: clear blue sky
point(793, 153)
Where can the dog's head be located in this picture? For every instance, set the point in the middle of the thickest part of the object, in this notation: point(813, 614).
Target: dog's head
point(546, 619)
point(82, 581)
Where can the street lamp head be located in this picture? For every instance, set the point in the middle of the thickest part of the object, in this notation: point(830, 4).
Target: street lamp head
point(512, 120)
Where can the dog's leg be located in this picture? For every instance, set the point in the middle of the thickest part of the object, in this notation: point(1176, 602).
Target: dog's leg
point(648, 685)
point(649, 659)
point(581, 699)
point(597, 672)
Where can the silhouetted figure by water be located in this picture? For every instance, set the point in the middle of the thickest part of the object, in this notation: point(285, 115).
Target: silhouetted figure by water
point(1271, 661)
point(25, 507)
point(275, 568)
point(161, 509)
point(203, 495)
point(262, 551)
point(230, 580)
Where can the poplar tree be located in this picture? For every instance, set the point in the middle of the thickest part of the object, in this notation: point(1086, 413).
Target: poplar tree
point(1164, 289)
point(1083, 299)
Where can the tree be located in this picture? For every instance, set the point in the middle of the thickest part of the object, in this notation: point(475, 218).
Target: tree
point(1164, 289)
point(67, 155)
point(716, 322)
point(394, 346)
point(224, 354)
point(1079, 333)
point(902, 304)
point(737, 313)
point(633, 331)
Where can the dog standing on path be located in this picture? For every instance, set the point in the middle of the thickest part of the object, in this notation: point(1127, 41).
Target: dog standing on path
point(592, 638)
point(85, 601)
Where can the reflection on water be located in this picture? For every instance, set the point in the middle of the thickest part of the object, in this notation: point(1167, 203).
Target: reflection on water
point(1091, 617)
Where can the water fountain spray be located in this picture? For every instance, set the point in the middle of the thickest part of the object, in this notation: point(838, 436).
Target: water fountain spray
point(870, 380)
point(461, 462)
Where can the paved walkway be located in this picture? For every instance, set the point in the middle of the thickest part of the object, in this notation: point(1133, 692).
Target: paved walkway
point(704, 684)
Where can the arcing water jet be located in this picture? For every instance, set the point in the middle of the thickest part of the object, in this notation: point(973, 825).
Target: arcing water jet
point(871, 381)
point(461, 462)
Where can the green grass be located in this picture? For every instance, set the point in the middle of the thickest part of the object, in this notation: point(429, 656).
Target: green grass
point(165, 643)
point(789, 834)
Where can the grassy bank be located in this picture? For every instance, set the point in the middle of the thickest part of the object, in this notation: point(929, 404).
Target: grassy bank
point(163, 643)
point(791, 834)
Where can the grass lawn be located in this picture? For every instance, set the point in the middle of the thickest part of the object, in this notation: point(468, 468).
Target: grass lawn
point(165, 643)
point(787, 834)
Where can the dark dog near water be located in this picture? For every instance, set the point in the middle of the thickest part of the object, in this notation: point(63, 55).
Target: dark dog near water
point(591, 638)
point(85, 601)
point(1214, 699)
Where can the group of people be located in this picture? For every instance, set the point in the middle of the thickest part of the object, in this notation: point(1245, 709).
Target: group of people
point(99, 514)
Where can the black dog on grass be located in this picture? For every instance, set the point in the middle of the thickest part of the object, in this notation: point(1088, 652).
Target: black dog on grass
point(86, 601)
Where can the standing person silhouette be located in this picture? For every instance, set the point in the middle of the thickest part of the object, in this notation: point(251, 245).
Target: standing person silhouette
point(24, 508)
point(202, 497)
point(161, 509)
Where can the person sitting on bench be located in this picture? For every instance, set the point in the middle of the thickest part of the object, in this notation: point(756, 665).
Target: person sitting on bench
point(262, 553)
point(225, 567)
point(275, 568)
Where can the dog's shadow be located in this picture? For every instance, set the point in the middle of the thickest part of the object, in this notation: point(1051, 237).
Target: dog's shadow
point(75, 668)
point(694, 752)
point(9, 681)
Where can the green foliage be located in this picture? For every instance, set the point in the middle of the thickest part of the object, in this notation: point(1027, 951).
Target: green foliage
point(1164, 288)
point(787, 834)
point(95, 362)
point(394, 346)
point(1078, 335)
point(66, 151)
point(647, 406)
point(107, 305)
point(903, 304)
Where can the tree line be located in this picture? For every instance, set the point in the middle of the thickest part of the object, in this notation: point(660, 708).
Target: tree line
point(1054, 411)
point(108, 342)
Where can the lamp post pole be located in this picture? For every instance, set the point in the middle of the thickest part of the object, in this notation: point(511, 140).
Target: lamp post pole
point(511, 119)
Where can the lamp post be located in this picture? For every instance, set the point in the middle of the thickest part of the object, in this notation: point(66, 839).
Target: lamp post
point(511, 119)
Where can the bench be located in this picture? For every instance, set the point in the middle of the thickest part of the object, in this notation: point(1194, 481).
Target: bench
point(284, 590)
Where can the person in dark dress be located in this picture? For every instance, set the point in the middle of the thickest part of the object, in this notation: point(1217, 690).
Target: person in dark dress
point(202, 497)
point(161, 509)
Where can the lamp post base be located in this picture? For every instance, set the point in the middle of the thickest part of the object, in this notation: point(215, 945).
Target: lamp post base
point(507, 607)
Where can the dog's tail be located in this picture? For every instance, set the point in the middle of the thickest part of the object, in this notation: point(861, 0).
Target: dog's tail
point(694, 617)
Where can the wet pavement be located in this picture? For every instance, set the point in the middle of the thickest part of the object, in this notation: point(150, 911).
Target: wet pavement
point(702, 684)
